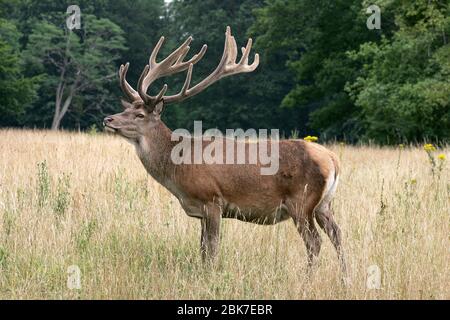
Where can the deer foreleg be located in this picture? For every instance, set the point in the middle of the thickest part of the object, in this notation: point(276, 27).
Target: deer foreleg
point(210, 233)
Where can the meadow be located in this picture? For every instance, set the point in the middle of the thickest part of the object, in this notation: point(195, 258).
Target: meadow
point(85, 200)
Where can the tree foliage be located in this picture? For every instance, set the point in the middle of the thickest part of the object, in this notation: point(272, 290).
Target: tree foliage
point(16, 90)
point(75, 64)
point(403, 89)
point(322, 71)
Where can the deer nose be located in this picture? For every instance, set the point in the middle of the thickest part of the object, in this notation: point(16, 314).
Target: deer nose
point(107, 120)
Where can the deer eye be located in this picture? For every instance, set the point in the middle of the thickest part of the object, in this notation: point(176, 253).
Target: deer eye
point(140, 116)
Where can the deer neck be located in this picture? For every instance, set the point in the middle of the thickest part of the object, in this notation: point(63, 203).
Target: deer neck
point(154, 149)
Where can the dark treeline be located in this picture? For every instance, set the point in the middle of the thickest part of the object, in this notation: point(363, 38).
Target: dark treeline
point(322, 71)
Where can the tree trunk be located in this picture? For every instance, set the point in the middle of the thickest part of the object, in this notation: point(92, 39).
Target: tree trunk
point(56, 122)
point(60, 111)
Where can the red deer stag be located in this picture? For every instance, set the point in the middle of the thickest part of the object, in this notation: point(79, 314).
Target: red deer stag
point(302, 188)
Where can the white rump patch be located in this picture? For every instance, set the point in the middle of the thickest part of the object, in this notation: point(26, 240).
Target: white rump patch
point(329, 190)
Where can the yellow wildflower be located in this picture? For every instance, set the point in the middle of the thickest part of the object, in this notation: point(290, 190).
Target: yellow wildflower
point(401, 146)
point(429, 147)
point(311, 138)
point(413, 181)
point(442, 157)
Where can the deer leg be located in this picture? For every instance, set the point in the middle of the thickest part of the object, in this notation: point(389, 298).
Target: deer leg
point(324, 217)
point(304, 222)
point(312, 240)
point(210, 233)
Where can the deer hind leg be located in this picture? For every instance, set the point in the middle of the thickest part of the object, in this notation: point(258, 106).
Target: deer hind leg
point(304, 221)
point(325, 219)
point(210, 233)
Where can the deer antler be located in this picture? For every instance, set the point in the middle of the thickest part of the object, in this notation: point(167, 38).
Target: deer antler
point(174, 64)
point(126, 88)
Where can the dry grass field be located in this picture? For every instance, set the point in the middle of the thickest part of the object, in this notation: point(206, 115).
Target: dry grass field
point(86, 200)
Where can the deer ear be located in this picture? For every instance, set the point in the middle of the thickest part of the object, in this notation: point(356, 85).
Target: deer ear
point(159, 108)
point(126, 104)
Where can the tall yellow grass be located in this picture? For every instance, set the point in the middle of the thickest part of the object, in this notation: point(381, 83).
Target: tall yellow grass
point(85, 200)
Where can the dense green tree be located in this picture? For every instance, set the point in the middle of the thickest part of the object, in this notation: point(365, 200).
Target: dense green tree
point(322, 71)
point(143, 22)
point(16, 90)
point(75, 63)
point(403, 88)
point(315, 36)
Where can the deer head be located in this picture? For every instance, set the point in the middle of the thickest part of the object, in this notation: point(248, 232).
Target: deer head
point(142, 111)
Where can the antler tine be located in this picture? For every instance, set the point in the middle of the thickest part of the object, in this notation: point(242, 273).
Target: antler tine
point(152, 60)
point(195, 58)
point(245, 55)
point(180, 66)
point(227, 66)
point(161, 93)
point(182, 94)
point(187, 82)
point(246, 52)
point(174, 64)
point(232, 55)
point(173, 57)
point(255, 64)
point(225, 55)
point(143, 77)
point(149, 100)
point(199, 55)
point(155, 70)
point(244, 60)
point(183, 55)
point(177, 54)
point(126, 88)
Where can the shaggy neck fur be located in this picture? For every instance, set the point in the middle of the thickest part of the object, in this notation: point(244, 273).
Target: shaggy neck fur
point(154, 151)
